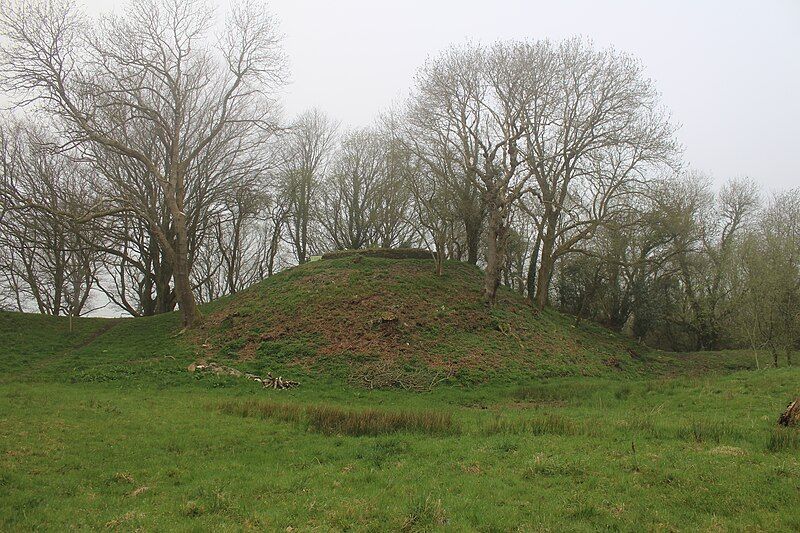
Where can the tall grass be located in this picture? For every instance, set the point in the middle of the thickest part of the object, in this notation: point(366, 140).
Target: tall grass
point(335, 420)
point(701, 431)
point(545, 394)
point(332, 420)
point(267, 410)
point(426, 514)
point(784, 440)
point(643, 424)
point(546, 424)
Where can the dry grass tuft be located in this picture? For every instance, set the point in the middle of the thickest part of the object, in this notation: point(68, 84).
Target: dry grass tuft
point(331, 420)
point(335, 420)
point(731, 451)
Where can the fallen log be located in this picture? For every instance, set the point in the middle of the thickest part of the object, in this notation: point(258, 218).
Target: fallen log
point(268, 382)
point(791, 416)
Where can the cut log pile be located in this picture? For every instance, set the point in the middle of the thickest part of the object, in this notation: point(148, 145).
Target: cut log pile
point(791, 416)
point(268, 382)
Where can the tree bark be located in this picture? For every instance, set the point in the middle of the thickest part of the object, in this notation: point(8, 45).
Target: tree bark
point(473, 232)
point(532, 266)
point(545, 268)
point(439, 258)
point(190, 314)
point(495, 252)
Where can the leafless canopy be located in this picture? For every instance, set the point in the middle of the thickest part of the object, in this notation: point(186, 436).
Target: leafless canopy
point(146, 92)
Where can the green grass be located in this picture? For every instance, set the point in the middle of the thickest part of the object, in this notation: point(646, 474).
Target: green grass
point(103, 427)
point(690, 453)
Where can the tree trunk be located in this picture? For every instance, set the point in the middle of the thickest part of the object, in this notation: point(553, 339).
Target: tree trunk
point(545, 269)
point(472, 229)
point(304, 193)
point(178, 258)
point(534, 261)
point(190, 314)
point(495, 253)
point(439, 258)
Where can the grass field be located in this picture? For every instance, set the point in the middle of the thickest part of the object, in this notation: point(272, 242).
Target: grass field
point(103, 427)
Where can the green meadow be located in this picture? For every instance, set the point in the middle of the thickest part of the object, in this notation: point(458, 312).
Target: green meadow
point(104, 427)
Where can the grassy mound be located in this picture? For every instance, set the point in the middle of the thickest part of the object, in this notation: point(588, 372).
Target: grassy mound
point(372, 322)
point(380, 322)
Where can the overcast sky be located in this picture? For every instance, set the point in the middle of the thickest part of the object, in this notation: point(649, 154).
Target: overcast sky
point(729, 71)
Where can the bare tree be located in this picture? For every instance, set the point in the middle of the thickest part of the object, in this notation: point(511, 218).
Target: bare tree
point(769, 268)
point(433, 211)
point(593, 130)
point(235, 239)
point(728, 214)
point(148, 76)
point(269, 232)
point(49, 262)
point(433, 154)
point(393, 199)
point(474, 100)
point(134, 273)
point(307, 152)
point(349, 197)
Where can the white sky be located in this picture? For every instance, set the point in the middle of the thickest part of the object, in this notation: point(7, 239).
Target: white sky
point(729, 71)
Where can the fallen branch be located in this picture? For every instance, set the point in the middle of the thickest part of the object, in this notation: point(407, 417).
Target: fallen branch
point(388, 374)
point(268, 382)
